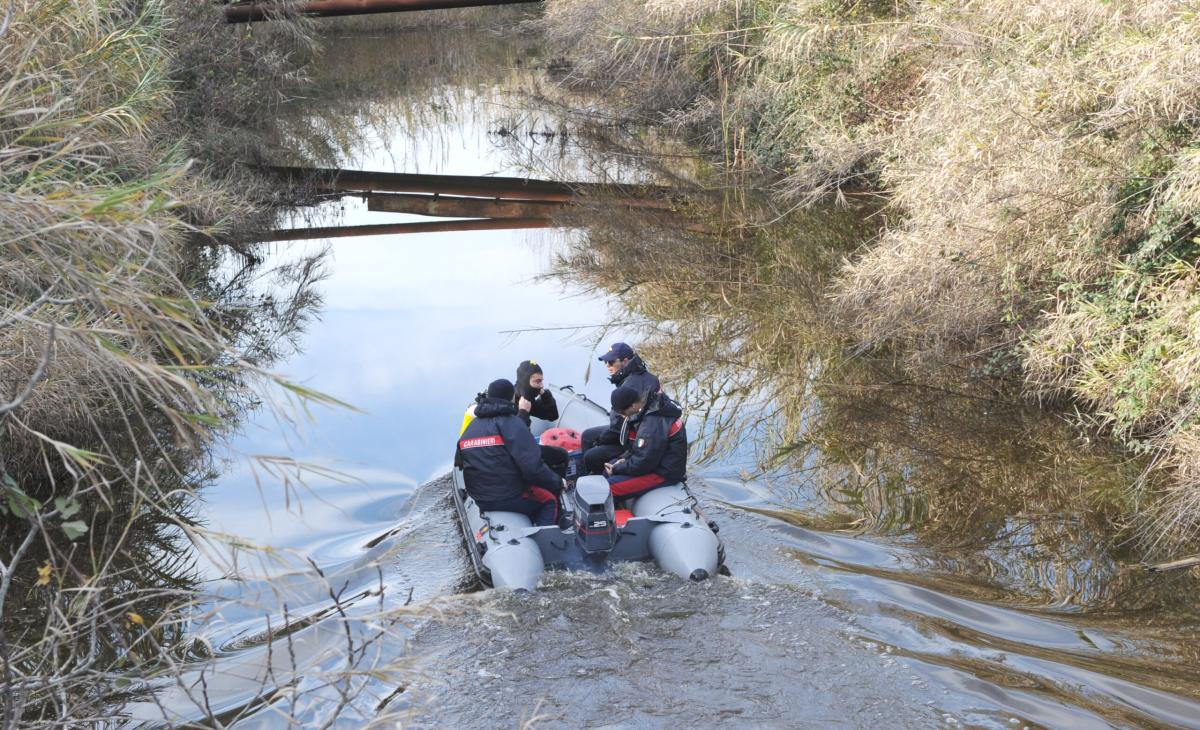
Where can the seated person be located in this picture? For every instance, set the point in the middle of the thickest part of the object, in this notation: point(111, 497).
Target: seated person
point(625, 369)
point(501, 462)
point(655, 443)
point(532, 399)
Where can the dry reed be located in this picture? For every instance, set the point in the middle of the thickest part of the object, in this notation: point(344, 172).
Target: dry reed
point(1039, 159)
point(129, 342)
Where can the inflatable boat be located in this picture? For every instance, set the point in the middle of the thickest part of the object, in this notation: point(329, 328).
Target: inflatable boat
point(664, 525)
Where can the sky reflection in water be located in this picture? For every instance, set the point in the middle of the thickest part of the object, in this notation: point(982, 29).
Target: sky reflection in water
point(412, 327)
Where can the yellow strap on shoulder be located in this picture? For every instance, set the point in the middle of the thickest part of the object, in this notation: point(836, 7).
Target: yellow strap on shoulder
point(468, 416)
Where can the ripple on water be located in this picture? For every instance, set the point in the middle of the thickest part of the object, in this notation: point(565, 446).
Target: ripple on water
point(993, 661)
point(643, 649)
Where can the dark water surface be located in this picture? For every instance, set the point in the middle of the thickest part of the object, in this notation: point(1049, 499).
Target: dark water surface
point(849, 604)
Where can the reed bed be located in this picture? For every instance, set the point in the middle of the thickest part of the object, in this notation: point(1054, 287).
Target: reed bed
point(132, 335)
point(739, 327)
point(1039, 159)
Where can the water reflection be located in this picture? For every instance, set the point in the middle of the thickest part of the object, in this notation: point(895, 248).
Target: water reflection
point(966, 622)
point(1008, 495)
point(109, 603)
point(407, 99)
point(412, 326)
point(303, 602)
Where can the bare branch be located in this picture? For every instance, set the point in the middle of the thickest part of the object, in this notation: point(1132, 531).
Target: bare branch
point(36, 378)
point(33, 306)
point(7, 573)
point(8, 12)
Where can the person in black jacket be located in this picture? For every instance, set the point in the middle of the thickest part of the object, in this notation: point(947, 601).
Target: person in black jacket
point(625, 369)
point(655, 443)
point(501, 462)
point(532, 398)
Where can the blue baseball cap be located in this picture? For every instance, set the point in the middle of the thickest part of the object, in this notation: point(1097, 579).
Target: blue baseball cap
point(617, 351)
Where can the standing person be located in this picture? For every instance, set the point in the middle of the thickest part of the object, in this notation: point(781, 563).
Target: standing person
point(654, 441)
point(532, 398)
point(501, 462)
point(625, 369)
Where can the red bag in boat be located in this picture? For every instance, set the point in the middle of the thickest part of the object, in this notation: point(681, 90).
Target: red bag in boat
point(566, 438)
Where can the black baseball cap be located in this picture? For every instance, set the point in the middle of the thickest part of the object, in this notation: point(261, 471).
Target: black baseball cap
point(624, 397)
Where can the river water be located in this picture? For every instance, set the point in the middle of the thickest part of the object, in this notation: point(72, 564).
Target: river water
point(342, 594)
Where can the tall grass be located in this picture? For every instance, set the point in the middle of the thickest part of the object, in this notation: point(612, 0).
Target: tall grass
point(128, 340)
point(1038, 158)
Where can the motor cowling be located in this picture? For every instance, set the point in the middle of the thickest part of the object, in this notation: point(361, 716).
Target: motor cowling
point(595, 515)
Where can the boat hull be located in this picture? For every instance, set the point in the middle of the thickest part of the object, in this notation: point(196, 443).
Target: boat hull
point(683, 542)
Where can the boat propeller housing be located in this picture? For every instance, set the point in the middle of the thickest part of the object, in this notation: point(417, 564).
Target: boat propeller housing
point(595, 515)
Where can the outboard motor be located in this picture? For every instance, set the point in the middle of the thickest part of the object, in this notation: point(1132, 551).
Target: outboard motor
point(595, 515)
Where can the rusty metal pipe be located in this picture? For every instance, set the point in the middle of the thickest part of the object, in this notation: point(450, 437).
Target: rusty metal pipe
point(255, 11)
point(516, 188)
point(513, 188)
point(443, 207)
point(391, 229)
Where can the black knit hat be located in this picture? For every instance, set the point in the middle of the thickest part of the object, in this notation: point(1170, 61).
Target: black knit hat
point(500, 389)
point(526, 370)
point(624, 397)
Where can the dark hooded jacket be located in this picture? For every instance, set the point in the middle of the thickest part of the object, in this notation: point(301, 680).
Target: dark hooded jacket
point(499, 457)
point(655, 441)
point(636, 376)
point(544, 406)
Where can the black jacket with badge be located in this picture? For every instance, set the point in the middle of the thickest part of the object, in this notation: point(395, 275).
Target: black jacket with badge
point(655, 441)
point(500, 458)
point(636, 376)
